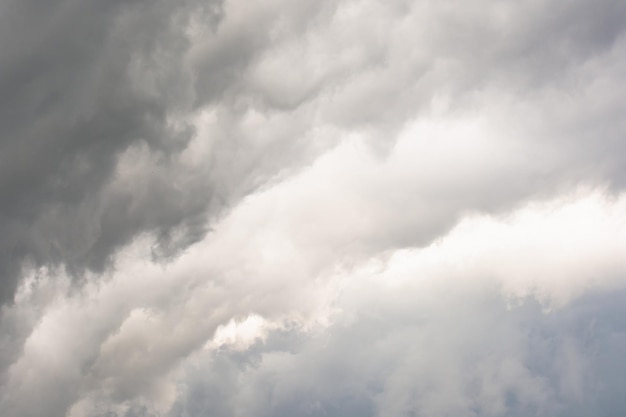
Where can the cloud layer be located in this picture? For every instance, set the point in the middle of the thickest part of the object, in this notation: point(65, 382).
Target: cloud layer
point(305, 208)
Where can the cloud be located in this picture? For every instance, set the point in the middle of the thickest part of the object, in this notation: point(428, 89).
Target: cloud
point(454, 301)
point(88, 88)
point(71, 105)
point(446, 330)
point(311, 208)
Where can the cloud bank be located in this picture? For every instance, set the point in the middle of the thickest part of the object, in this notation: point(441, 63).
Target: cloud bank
point(305, 208)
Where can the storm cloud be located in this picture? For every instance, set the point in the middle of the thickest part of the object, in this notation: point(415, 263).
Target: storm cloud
point(312, 208)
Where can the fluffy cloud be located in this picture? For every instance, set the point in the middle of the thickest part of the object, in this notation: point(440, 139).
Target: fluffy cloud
point(350, 207)
point(475, 324)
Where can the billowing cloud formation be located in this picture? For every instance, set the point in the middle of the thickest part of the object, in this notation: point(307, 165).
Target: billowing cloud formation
point(294, 208)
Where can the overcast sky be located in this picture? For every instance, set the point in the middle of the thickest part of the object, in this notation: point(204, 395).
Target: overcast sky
point(327, 208)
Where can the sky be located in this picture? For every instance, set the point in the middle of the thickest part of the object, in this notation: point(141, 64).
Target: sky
point(326, 208)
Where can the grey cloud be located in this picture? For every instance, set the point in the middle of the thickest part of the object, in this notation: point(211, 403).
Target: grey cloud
point(540, 74)
point(69, 108)
point(83, 86)
point(132, 118)
point(85, 83)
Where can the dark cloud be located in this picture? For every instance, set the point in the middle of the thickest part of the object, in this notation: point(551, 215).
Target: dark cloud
point(71, 104)
point(88, 86)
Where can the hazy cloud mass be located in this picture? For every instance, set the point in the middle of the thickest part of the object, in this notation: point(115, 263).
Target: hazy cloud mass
point(289, 208)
